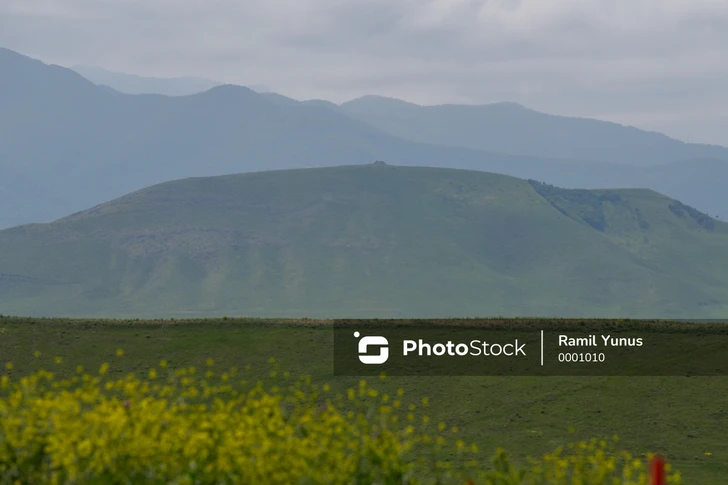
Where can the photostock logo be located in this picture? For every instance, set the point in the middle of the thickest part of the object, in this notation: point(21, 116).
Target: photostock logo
point(373, 341)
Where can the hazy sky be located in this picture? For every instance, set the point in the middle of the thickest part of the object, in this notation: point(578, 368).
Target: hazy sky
point(657, 64)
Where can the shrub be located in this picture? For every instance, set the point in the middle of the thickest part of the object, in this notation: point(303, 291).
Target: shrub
point(190, 426)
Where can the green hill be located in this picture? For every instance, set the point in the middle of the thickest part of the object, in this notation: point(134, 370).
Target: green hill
point(370, 241)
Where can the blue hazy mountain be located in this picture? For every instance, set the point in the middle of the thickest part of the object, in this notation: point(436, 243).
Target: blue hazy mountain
point(67, 144)
point(133, 84)
point(513, 128)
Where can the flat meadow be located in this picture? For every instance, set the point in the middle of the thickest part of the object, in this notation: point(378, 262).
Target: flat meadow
point(287, 364)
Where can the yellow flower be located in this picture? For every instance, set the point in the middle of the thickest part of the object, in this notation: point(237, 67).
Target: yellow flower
point(184, 429)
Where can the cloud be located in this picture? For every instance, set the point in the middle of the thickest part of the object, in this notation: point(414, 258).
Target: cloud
point(649, 62)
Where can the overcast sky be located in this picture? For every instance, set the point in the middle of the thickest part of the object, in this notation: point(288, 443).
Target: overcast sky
point(655, 64)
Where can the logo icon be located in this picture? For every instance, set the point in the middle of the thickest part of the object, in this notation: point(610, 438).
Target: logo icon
point(373, 341)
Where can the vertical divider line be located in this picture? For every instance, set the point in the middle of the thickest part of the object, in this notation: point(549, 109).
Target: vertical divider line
point(541, 347)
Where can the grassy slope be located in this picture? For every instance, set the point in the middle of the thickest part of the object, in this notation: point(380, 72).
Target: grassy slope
point(681, 417)
point(375, 241)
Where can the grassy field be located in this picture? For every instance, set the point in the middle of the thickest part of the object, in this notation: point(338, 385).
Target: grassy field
point(684, 418)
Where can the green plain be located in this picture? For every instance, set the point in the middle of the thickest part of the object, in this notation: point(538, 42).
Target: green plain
point(679, 416)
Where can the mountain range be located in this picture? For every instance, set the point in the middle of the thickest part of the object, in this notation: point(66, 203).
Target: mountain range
point(372, 241)
point(133, 84)
point(67, 143)
point(513, 128)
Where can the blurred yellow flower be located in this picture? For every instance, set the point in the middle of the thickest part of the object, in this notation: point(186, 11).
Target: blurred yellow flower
point(93, 429)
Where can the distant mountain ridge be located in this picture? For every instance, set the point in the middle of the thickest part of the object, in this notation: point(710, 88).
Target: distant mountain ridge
point(133, 84)
point(67, 143)
point(512, 128)
point(372, 241)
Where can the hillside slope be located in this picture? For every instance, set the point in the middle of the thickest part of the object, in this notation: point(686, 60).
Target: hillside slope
point(370, 241)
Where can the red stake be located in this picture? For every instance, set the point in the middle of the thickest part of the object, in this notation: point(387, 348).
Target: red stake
point(657, 469)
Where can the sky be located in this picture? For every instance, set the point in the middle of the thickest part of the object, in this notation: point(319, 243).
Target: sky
point(655, 64)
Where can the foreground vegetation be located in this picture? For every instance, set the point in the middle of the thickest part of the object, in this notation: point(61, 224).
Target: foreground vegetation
point(201, 427)
point(680, 417)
